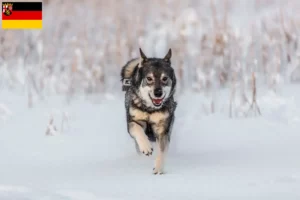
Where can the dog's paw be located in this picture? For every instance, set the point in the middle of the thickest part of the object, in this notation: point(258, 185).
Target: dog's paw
point(145, 146)
point(157, 171)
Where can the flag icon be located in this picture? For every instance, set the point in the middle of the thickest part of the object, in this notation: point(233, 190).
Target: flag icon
point(22, 15)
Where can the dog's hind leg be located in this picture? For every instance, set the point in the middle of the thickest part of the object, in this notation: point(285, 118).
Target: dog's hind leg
point(162, 143)
point(137, 132)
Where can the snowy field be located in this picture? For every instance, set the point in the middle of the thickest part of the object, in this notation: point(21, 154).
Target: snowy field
point(77, 148)
point(91, 156)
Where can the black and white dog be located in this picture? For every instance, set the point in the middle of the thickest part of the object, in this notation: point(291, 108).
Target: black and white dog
point(150, 85)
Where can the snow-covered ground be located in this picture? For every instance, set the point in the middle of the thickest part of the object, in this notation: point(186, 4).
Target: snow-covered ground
point(92, 157)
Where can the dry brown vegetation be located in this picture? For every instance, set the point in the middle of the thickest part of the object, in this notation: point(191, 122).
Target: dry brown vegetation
point(84, 44)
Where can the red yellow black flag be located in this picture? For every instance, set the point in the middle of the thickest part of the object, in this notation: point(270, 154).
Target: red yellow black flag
point(22, 15)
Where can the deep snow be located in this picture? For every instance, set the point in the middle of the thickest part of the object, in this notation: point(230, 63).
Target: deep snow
point(211, 156)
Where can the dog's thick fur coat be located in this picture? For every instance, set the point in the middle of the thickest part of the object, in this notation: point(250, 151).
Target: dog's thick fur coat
point(149, 102)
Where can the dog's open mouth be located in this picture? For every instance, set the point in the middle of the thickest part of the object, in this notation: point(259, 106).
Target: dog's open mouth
point(157, 101)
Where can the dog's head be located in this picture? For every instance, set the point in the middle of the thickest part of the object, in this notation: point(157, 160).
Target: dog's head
point(154, 80)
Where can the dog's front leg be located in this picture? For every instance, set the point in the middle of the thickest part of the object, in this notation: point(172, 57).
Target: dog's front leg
point(137, 132)
point(162, 143)
point(163, 133)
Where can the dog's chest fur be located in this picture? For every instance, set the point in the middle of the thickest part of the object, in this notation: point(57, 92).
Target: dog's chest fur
point(156, 117)
point(137, 111)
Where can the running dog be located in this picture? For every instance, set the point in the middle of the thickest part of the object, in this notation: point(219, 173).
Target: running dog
point(150, 84)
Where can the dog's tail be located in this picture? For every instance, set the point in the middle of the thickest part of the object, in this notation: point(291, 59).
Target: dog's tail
point(127, 72)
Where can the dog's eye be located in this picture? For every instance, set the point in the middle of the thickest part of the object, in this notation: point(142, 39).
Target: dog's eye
point(149, 79)
point(165, 79)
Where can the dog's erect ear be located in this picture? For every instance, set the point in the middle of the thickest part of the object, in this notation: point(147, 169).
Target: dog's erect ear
point(143, 56)
point(167, 57)
point(135, 75)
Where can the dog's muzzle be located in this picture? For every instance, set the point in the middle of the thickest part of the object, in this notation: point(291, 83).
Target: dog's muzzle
point(158, 99)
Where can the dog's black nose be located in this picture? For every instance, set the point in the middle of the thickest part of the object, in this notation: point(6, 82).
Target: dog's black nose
point(158, 92)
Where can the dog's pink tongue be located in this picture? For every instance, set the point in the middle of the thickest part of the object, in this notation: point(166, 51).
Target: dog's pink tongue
point(157, 101)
